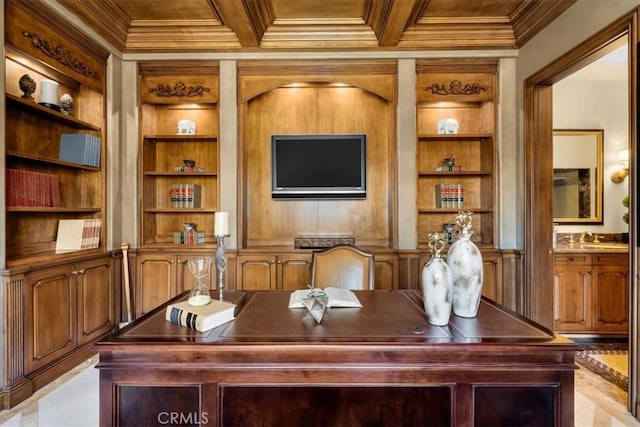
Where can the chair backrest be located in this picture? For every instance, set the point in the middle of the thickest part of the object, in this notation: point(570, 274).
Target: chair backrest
point(343, 266)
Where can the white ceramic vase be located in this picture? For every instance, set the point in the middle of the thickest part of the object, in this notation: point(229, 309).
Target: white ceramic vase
point(465, 260)
point(437, 284)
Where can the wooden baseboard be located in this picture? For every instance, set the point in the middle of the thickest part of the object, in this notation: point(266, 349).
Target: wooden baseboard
point(23, 388)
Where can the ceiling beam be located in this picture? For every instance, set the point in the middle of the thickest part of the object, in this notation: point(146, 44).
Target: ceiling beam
point(389, 19)
point(248, 19)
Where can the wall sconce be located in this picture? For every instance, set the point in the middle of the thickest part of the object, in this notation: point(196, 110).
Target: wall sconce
point(619, 175)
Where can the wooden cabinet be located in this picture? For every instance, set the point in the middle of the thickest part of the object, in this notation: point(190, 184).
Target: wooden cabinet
point(41, 188)
point(163, 275)
point(67, 306)
point(179, 171)
point(591, 293)
point(55, 303)
point(456, 166)
point(271, 272)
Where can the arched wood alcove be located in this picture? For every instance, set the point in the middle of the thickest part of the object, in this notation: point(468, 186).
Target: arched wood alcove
point(316, 98)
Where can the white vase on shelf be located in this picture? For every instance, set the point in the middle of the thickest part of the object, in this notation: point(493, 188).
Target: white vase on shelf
point(437, 283)
point(465, 260)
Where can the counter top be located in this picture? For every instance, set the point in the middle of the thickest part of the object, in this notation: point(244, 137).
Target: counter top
point(590, 247)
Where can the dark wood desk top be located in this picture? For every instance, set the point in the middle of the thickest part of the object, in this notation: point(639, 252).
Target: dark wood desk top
point(387, 317)
point(381, 364)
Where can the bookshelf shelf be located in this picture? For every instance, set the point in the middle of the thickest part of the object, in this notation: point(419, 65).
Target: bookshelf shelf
point(50, 161)
point(454, 137)
point(181, 174)
point(450, 174)
point(47, 113)
point(53, 211)
point(179, 210)
point(453, 211)
point(182, 137)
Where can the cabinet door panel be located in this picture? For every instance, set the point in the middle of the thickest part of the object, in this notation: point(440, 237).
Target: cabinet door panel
point(610, 299)
point(96, 307)
point(572, 298)
point(492, 277)
point(256, 273)
point(386, 272)
point(51, 313)
point(156, 282)
point(294, 272)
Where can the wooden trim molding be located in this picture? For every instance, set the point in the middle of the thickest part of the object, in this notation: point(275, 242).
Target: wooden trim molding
point(179, 89)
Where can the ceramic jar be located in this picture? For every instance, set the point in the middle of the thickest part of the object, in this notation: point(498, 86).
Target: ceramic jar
point(437, 283)
point(465, 260)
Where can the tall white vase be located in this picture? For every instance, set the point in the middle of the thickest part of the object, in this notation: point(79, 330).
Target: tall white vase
point(437, 284)
point(465, 260)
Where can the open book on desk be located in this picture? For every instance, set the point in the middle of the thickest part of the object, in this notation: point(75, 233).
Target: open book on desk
point(338, 297)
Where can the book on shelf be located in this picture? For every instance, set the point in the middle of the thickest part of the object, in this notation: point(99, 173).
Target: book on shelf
point(338, 297)
point(77, 234)
point(32, 189)
point(449, 196)
point(201, 318)
point(80, 148)
point(188, 237)
point(185, 196)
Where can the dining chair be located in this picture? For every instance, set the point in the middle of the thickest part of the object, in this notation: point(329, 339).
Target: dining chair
point(343, 266)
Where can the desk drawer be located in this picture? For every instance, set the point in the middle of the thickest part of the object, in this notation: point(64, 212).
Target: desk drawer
point(572, 259)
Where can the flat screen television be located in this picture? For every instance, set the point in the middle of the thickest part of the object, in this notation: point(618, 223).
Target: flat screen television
point(330, 166)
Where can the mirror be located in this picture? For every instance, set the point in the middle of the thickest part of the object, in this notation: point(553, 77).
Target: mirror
point(577, 176)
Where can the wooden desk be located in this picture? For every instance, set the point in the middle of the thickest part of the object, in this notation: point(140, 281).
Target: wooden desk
point(382, 365)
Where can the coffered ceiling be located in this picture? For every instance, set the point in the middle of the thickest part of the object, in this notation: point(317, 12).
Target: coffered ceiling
point(275, 25)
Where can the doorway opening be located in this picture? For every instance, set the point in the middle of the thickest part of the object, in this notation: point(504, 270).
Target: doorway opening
point(544, 114)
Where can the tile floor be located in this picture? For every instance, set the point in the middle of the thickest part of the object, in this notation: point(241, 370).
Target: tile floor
point(72, 401)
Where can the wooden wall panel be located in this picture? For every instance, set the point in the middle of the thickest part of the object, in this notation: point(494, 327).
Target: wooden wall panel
point(317, 109)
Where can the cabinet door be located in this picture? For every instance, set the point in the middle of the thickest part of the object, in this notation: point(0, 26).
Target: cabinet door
point(294, 271)
point(50, 315)
point(96, 304)
point(256, 272)
point(386, 271)
point(156, 281)
point(610, 298)
point(572, 298)
point(492, 277)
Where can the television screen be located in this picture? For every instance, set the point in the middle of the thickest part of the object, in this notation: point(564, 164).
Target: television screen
point(318, 166)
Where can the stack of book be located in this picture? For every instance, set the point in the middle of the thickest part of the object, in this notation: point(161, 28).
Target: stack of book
point(80, 148)
point(185, 196)
point(32, 189)
point(449, 196)
point(191, 237)
point(78, 234)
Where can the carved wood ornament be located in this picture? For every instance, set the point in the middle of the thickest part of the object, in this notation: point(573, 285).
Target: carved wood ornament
point(180, 89)
point(60, 53)
point(456, 88)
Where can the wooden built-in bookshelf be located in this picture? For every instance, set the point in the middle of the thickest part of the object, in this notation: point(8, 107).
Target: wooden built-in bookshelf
point(465, 92)
point(168, 95)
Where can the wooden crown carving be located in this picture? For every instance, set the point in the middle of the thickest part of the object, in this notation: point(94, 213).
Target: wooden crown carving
point(456, 88)
point(180, 89)
point(60, 53)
